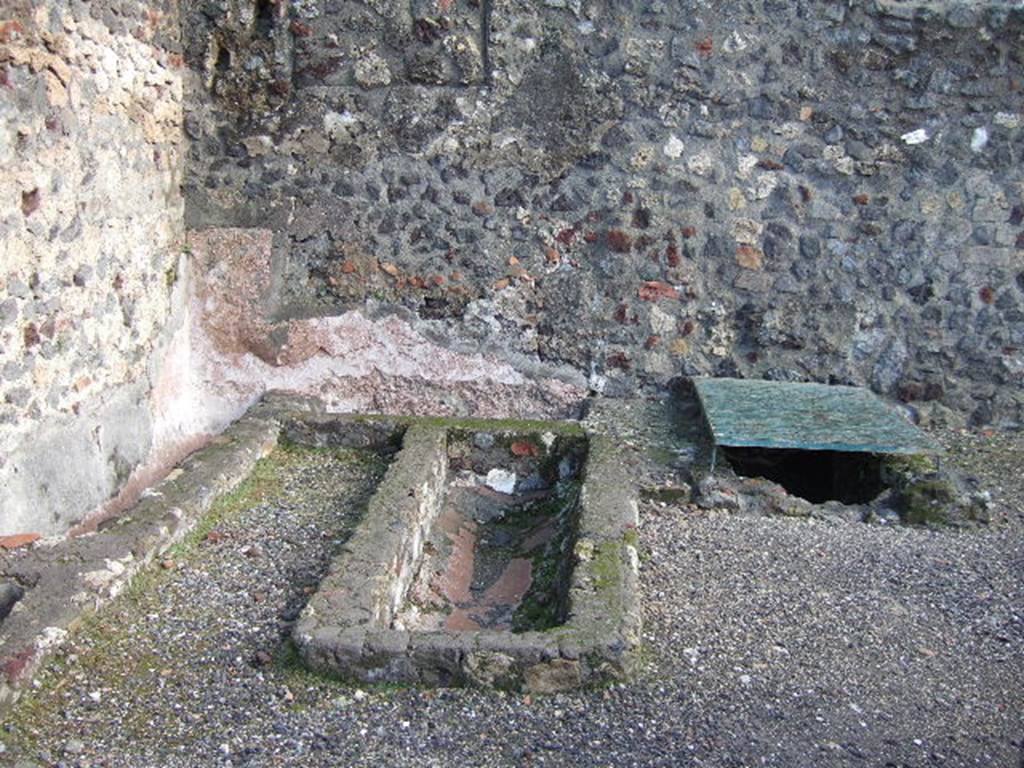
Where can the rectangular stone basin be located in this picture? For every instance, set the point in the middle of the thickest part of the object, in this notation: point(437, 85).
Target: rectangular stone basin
point(493, 554)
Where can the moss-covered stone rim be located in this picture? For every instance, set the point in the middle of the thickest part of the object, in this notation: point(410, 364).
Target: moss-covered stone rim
point(601, 629)
point(508, 427)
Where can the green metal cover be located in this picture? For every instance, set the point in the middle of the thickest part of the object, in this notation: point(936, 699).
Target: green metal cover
point(812, 417)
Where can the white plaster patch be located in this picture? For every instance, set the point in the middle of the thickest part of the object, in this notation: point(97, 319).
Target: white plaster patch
point(351, 348)
point(98, 579)
point(920, 136)
point(351, 361)
point(746, 165)
point(662, 323)
point(50, 637)
point(501, 480)
point(979, 139)
point(735, 43)
point(673, 147)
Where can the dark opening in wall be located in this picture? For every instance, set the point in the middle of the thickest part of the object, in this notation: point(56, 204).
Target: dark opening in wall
point(818, 476)
point(223, 62)
point(266, 14)
point(10, 593)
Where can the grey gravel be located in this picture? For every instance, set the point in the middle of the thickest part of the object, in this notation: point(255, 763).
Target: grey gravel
point(769, 641)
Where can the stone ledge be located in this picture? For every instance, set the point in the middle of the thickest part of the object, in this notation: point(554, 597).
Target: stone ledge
point(64, 580)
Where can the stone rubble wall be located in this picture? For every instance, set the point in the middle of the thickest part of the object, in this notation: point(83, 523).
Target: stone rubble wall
point(91, 233)
point(474, 206)
point(612, 194)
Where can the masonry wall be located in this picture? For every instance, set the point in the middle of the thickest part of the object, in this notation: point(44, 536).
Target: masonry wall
point(611, 194)
point(491, 207)
point(91, 152)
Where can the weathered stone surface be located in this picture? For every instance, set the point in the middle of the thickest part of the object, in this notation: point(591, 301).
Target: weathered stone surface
point(553, 676)
point(91, 232)
point(378, 561)
point(490, 669)
point(362, 360)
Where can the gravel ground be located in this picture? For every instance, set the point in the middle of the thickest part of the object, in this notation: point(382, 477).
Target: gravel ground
point(768, 642)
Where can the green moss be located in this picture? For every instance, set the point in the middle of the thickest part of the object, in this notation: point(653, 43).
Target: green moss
point(111, 658)
point(104, 664)
point(909, 465)
point(262, 482)
point(645, 656)
point(609, 671)
point(607, 565)
point(661, 455)
point(520, 426)
point(795, 511)
point(597, 684)
point(927, 500)
point(298, 677)
point(543, 606)
point(539, 610)
point(288, 662)
point(925, 495)
point(665, 495)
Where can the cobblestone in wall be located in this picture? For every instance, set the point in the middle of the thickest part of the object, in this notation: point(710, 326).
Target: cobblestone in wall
point(806, 191)
point(90, 239)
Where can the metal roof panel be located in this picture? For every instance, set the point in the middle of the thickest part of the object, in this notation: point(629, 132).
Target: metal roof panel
point(813, 417)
